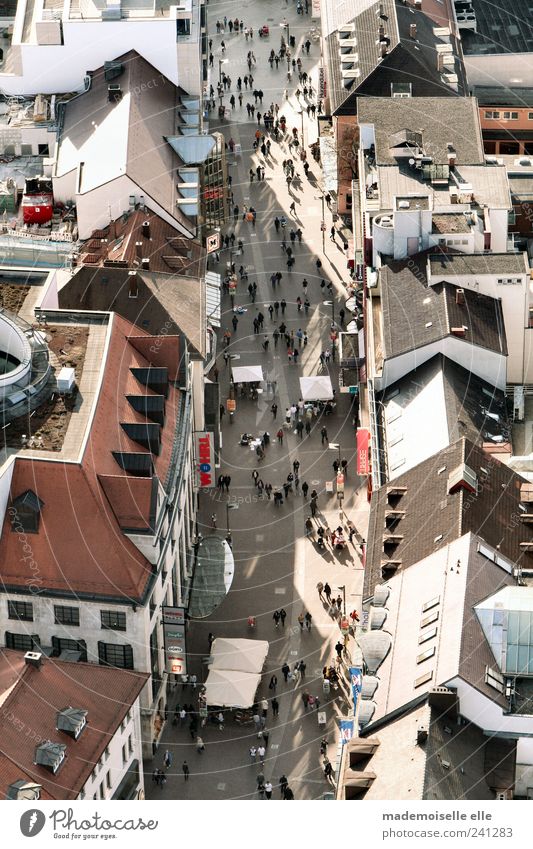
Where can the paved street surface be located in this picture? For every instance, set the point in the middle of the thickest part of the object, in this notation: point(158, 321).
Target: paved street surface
point(275, 565)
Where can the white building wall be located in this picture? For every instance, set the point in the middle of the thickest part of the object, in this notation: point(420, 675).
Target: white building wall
point(515, 300)
point(499, 228)
point(113, 762)
point(486, 364)
point(486, 714)
point(524, 768)
point(50, 69)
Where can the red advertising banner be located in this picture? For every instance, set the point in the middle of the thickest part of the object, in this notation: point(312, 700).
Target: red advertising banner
point(363, 442)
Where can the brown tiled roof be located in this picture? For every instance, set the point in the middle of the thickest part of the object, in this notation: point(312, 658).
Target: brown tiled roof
point(432, 517)
point(162, 247)
point(80, 547)
point(165, 304)
point(107, 695)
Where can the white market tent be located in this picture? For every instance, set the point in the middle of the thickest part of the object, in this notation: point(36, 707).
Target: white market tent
point(247, 374)
point(226, 688)
point(317, 387)
point(235, 672)
point(239, 655)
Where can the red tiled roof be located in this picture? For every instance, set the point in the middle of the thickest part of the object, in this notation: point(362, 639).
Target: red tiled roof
point(127, 244)
point(80, 546)
point(107, 695)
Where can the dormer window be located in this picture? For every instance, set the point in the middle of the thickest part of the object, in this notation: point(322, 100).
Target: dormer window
point(23, 790)
point(72, 721)
point(25, 512)
point(50, 755)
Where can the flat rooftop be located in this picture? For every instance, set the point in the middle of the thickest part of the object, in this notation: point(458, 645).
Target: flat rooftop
point(501, 27)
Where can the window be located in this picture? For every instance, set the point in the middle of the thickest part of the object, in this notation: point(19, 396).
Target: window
point(530, 116)
point(22, 610)
point(106, 753)
point(22, 642)
point(108, 780)
point(66, 615)
point(429, 619)
point(124, 755)
point(431, 603)
point(112, 655)
point(43, 150)
point(510, 116)
point(26, 150)
point(130, 744)
point(113, 620)
point(492, 115)
point(82, 794)
point(423, 679)
point(60, 644)
point(101, 791)
point(494, 679)
point(426, 655)
point(427, 635)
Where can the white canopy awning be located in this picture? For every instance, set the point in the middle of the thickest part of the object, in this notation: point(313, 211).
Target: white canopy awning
point(247, 374)
point(239, 655)
point(227, 688)
point(316, 388)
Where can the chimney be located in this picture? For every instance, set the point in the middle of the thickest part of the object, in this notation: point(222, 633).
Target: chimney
point(460, 296)
point(452, 155)
point(133, 289)
point(145, 263)
point(383, 48)
point(418, 4)
point(440, 62)
point(138, 249)
point(412, 30)
point(33, 658)
point(381, 32)
point(146, 229)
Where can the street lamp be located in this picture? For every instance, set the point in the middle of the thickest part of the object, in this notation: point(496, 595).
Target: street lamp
point(301, 114)
point(220, 63)
point(228, 508)
point(343, 591)
point(285, 25)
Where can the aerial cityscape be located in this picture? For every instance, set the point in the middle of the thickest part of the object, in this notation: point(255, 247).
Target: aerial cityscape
point(266, 393)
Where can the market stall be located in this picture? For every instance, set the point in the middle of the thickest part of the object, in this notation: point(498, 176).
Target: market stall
point(316, 388)
point(247, 374)
point(235, 672)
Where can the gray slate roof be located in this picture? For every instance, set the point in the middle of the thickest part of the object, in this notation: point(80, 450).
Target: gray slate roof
point(456, 121)
point(461, 264)
point(415, 314)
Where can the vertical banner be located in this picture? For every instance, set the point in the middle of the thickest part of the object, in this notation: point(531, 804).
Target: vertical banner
point(346, 730)
point(205, 459)
point(174, 636)
point(356, 682)
point(363, 442)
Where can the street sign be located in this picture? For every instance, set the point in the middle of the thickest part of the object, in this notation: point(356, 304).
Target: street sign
point(212, 242)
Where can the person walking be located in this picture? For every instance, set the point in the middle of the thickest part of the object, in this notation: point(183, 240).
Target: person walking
point(339, 648)
point(308, 620)
point(273, 683)
point(167, 759)
point(186, 771)
point(261, 752)
point(280, 436)
point(320, 590)
point(305, 489)
point(301, 620)
point(283, 616)
point(309, 528)
point(324, 434)
point(327, 592)
point(285, 670)
point(305, 699)
point(276, 617)
point(274, 410)
point(268, 790)
point(275, 706)
point(200, 745)
point(253, 754)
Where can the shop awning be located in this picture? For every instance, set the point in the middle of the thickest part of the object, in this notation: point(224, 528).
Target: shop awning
point(247, 374)
point(227, 688)
point(316, 388)
point(239, 655)
point(213, 284)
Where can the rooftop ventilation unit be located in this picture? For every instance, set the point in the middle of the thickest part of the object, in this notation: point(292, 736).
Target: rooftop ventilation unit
point(72, 721)
point(463, 477)
point(23, 790)
point(50, 755)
